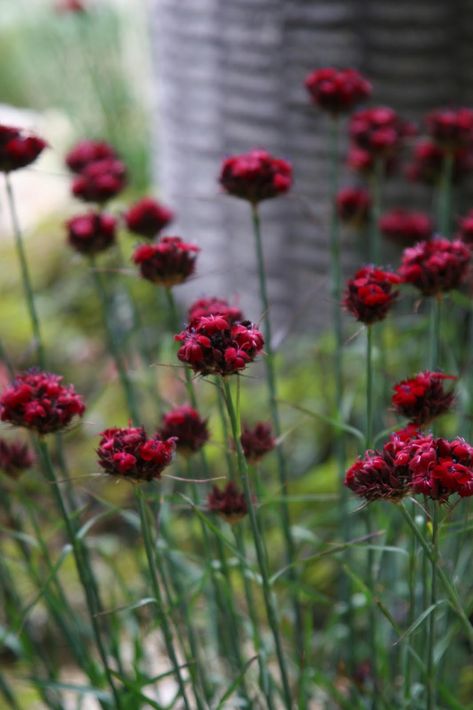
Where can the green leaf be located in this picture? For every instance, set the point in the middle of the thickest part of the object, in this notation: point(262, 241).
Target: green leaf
point(71, 687)
point(129, 607)
point(328, 420)
point(420, 619)
point(231, 688)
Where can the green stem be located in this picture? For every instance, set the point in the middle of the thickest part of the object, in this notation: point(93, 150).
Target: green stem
point(8, 694)
point(274, 410)
point(81, 564)
point(374, 244)
point(434, 335)
point(431, 679)
point(259, 546)
point(444, 199)
point(25, 274)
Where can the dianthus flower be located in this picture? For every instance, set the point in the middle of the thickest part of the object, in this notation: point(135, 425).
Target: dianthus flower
point(215, 345)
point(451, 128)
point(257, 442)
point(15, 457)
point(406, 227)
point(188, 428)
point(214, 307)
point(100, 181)
point(379, 131)
point(147, 217)
point(167, 262)
point(465, 229)
point(364, 163)
point(128, 452)
point(353, 206)
point(91, 233)
point(229, 503)
point(439, 468)
point(64, 7)
point(255, 176)
point(370, 295)
point(435, 266)
point(37, 400)
point(428, 159)
point(423, 397)
point(86, 152)
point(337, 90)
point(18, 148)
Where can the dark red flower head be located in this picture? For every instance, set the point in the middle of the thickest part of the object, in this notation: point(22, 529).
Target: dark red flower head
point(406, 228)
point(427, 165)
point(337, 90)
point(188, 428)
point(214, 307)
point(147, 218)
point(379, 131)
point(167, 262)
point(370, 295)
point(91, 233)
point(439, 468)
point(127, 452)
point(423, 397)
point(451, 128)
point(465, 229)
point(257, 442)
point(363, 162)
point(229, 503)
point(37, 400)
point(435, 266)
point(255, 176)
point(215, 345)
point(15, 457)
point(353, 206)
point(86, 152)
point(100, 181)
point(64, 7)
point(18, 148)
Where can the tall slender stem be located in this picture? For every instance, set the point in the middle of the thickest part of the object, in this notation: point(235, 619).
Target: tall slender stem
point(374, 244)
point(434, 335)
point(259, 546)
point(444, 196)
point(25, 274)
point(431, 674)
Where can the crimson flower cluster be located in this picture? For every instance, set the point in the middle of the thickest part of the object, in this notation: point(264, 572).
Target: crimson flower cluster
point(99, 181)
point(337, 91)
point(147, 218)
point(64, 7)
point(370, 295)
point(129, 453)
point(378, 131)
point(423, 397)
point(15, 457)
point(353, 206)
point(434, 467)
point(91, 233)
point(37, 400)
point(187, 427)
point(257, 441)
point(465, 229)
point(427, 164)
point(406, 227)
point(435, 266)
point(215, 345)
point(167, 262)
point(363, 162)
point(451, 129)
point(214, 307)
point(255, 176)
point(229, 503)
point(18, 148)
point(86, 152)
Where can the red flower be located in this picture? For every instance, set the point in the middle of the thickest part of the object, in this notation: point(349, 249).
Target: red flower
point(229, 503)
point(147, 217)
point(465, 231)
point(214, 307)
point(37, 400)
point(168, 262)
point(69, 6)
point(440, 468)
point(369, 295)
point(86, 152)
point(337, 91)
point(406, 228)
point(257, 442)
point(91, 233)
point(100, 181)
point(215, 345)
point(435, 266)
point(451, 128)
point(423, 397)
point(188, 428)
point(353, 206)
point(15, 457)
point(255, 176)
point(18, 148)
point(127, 452)
point(428, 160)
point(379, 131)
